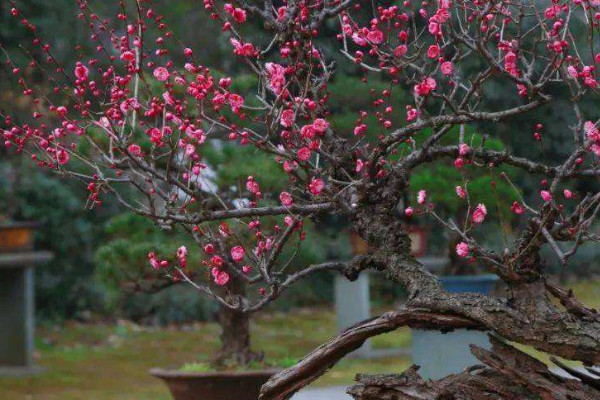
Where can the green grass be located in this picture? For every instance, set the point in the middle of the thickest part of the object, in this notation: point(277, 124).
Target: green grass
point(588, 291)
point(108, 362)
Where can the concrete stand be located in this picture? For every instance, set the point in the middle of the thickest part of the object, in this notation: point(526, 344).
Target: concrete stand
point(17, 325)
point(352, 306)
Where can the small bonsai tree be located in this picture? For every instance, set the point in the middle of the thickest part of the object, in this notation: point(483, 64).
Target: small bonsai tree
point(137, 126)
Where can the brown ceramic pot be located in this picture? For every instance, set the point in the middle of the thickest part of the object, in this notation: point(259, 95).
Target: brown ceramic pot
point(243, 385)
point(17, 236)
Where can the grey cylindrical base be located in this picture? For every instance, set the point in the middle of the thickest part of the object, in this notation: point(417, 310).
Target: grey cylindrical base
point(441, 354)
point(352, 306)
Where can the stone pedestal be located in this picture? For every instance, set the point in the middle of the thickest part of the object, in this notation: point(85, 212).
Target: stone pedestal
point(16, 316)
point(352, 305)
point(17, 323)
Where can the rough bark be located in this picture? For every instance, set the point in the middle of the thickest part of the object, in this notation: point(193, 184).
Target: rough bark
point(506, 374)
point(235, 333)
point(235, 338)
point(286, 383)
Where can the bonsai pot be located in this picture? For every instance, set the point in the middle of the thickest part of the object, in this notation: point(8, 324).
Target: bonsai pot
point(226, 385)
point(441, 354)
point(16, 236)
point(483, 284)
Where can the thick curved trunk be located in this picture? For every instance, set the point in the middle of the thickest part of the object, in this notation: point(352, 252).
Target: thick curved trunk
point(526, 316)
point(289, 381)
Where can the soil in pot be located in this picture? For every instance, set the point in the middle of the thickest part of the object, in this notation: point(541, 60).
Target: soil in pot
point(226, 385)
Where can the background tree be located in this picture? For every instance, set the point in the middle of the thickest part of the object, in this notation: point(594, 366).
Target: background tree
point(140, 121)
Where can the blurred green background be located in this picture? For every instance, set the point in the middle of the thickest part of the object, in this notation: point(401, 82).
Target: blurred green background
point(97, 250)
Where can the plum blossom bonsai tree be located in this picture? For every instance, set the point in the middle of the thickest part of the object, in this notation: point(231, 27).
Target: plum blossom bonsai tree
point(131, 118)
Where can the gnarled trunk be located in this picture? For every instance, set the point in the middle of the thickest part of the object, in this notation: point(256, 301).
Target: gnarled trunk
point(505, 374)
point(526, 315)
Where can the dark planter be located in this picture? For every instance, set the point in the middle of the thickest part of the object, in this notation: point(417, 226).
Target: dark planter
point(17, 236)
point(440, 354)
point(244, 385)
point(483, 284)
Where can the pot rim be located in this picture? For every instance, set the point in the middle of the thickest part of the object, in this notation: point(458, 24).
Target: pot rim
point(176, 374)
point(469, 278)
point(20, 225)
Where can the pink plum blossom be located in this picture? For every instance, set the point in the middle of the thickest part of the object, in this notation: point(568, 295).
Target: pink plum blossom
point(412, 114)
point(375, 36)
point(517, 208)
point(400, 50)
point(81, 72)
point(425, 87)
point(479, 214)
point(238, 14)
point(546, 195)
point(433, 51)
point(238, 253)
point(304, 153)
point(446, 68)
point(161, 74)
point(62, 156)
point(252, 186)
point(182, 251)
point(316, 186)
point(134, 149)
point(421, 197)
point(462, 249)
point(591, 131)
point(320, 125)
point(221, 278)
point(287, 118)
point(286, 199)
point(276, 76)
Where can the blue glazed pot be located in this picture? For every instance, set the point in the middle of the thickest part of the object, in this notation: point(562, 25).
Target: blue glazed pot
point(483, 284)
point(440, 354)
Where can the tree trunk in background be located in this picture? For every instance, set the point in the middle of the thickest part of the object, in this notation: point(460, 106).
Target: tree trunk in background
point(235, 337)
point(235, 332)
